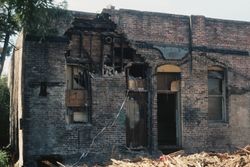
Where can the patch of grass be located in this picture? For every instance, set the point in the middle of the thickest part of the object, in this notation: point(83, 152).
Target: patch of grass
point(4, 158)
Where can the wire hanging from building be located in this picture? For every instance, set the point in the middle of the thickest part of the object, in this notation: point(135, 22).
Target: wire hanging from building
point(110, 124)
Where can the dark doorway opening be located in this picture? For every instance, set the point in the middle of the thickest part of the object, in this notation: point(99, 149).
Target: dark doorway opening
point(166, 118)
point(168, 112)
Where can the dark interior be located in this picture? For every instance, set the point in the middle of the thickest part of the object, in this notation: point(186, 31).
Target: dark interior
point(166, 118)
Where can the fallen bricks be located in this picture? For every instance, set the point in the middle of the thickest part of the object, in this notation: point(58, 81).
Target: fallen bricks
point(240, 158)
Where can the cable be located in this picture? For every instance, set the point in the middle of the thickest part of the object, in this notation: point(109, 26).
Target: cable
point(85, 154)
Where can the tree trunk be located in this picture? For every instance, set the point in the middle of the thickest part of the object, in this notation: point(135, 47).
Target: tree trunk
point(4, 52)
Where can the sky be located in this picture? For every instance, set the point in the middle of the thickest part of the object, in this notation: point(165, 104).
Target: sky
point(223, 9)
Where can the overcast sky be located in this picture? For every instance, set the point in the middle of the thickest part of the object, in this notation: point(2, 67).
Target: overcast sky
point(225, 9)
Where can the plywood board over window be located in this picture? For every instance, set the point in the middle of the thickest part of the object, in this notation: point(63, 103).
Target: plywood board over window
point(169, 68)
point(76, 98)
point(169, 82)
point(79, 115)
point(137, 77)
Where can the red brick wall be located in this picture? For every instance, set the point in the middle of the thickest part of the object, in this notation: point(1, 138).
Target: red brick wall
point(153, 27)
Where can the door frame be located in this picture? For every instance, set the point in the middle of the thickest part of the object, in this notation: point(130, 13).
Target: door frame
point(168, 68)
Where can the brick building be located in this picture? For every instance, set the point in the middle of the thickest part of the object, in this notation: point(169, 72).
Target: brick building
point(183, 83)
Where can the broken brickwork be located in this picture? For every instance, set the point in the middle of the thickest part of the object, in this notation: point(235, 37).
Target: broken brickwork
point(184, 81)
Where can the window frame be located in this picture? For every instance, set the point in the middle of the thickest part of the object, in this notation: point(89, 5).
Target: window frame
point(71, 85)
point(224, 116)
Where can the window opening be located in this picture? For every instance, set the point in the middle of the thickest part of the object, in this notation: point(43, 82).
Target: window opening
point(43, 89)
point(137, 77)
point(77, 94)
point(216, 95)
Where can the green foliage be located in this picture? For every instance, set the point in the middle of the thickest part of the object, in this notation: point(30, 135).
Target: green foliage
point(34, 16)
point(47, 25)
point(9, 21)
point(38, 16)
point(4, 94)
point(3, 159)
point(4, 112)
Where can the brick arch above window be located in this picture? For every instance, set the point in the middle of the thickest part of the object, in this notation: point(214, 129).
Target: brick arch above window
point(216, 68)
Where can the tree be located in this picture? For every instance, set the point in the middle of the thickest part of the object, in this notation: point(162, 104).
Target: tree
point(4, 112)
point(9, 25)
point(33, 16)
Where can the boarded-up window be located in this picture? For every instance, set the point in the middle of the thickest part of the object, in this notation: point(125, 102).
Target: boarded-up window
point(76, 78)
point(168, 82)
point(76, 95)
point(79, 115)
point(137, 77)
point(216, 95)
point(76, 98)
point(43, 89)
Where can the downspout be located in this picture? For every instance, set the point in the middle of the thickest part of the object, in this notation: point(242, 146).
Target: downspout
point(149, 120)
point(90, 50)
point(81, 43)
point(89, 89)
point(113, 55)
point(190, 44)
point(122, 53)
point(102, 56)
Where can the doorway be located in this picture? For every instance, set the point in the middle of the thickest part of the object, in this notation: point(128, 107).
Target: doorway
point(136, 120)
point(137, 107)
point(166, 118)
point(168, 110)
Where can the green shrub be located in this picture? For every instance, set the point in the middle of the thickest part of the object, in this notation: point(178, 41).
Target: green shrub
point(3, 159)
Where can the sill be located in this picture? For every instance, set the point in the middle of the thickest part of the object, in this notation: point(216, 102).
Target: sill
point(78, 124)
point(137, 90)
point(167, 91)
point(214, 123)
point(169, 147)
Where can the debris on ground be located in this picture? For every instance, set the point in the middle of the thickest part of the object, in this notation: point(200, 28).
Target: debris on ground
point(240, 158)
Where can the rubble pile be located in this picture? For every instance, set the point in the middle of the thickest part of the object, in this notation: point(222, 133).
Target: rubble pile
point(240, 158)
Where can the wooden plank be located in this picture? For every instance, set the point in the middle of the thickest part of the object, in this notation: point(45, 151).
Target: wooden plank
point(75, 98)
point(169, 68)
point(135, 84)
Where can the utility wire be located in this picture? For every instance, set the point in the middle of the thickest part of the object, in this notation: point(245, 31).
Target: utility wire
point(85, 154)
